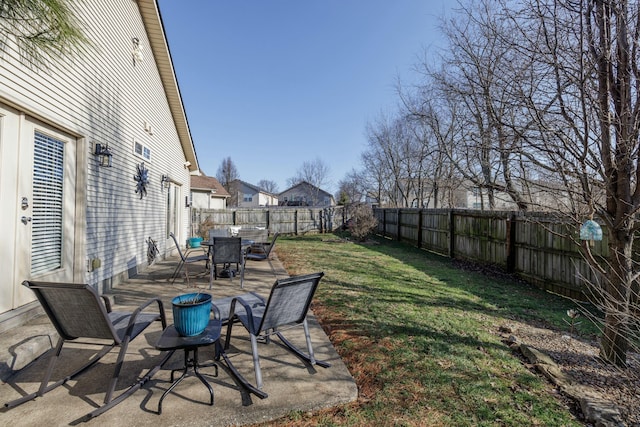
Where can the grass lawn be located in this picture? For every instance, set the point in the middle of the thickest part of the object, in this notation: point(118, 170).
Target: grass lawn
point(419, 337)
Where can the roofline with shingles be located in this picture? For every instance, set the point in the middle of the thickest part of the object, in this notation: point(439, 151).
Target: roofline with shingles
point(310, 185)
point(155, 31)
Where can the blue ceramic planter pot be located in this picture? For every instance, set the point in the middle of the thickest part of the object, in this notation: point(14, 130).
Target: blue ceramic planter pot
point(191, 318)
point(194, 242)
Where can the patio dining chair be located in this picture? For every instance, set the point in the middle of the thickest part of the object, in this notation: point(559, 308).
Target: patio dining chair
point(219, 232)
point(257, 235)
point(261, 252)
point(287, 306)
point(185, 260)
point(79, 315)
point(225, 252)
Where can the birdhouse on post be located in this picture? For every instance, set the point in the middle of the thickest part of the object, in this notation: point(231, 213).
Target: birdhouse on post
point(590, 231)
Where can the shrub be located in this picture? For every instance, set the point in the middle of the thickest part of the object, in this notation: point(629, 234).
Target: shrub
point(362, 222)
point(204, 227)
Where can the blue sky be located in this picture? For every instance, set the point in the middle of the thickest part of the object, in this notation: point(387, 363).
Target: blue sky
point(275, 83)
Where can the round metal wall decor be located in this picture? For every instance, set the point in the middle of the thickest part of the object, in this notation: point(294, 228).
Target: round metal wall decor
point(142, 180)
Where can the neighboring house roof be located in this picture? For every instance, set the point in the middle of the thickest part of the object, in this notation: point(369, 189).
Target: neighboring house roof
point(208, 183)
point(160, 48)
point(308, 185)
point(253, 187)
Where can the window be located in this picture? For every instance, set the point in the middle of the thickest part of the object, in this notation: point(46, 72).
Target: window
point(48, 184)
point(248, 198)
point(141, 150)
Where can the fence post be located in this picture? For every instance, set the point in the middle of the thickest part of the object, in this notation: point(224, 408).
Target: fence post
point(511, 243)
point(419, 237)
point(452, 236)
point(384, 222)
point(398, 226)
point(268, 219)
point(295, 222)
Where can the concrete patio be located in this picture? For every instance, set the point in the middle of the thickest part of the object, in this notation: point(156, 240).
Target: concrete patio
point(291, 384)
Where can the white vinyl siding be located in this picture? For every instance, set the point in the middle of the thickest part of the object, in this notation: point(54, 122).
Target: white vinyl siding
point(48, 185)
point(100, 96)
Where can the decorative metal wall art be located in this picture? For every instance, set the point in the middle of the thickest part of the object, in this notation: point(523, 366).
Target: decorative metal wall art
point(152, 250)
point(142, 179)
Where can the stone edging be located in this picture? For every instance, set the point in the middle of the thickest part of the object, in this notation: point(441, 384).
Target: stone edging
point(596, 410)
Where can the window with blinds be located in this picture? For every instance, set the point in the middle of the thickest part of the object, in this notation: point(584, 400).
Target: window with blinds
point(48, 184)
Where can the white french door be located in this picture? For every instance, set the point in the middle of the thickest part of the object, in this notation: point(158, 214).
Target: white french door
point(173, 214)
point(37, 196)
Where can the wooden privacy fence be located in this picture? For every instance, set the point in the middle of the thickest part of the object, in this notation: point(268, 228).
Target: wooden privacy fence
point(284, 220)
point(540, 248)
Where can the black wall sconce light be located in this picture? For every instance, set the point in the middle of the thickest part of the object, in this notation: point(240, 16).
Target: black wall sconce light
point(104, 155)
point(165, 180)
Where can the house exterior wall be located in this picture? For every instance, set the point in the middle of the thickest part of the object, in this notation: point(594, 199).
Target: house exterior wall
point(244, 195)
point(218, 203)
point(104, 97)
point(479, 199)
point(267, 200)
point(305, 194)
point(247, 197)
point(206, 200)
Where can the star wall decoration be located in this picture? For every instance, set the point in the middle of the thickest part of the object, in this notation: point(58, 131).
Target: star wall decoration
point(142, 179)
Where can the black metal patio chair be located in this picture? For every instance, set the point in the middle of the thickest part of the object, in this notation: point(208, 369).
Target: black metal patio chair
point(261, 252)
point(78, 313)
point(186, 260)
point(225, 252)
point(287, 306)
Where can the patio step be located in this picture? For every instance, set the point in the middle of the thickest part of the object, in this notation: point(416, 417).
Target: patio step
point(24, 344)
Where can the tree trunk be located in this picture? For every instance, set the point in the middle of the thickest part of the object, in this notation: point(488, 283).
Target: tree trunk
point(617, 291)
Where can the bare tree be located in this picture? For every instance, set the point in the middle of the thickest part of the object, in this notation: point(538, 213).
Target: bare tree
point(384, 149)
point(537, 98)
point(268, 186)
point(226, 174)
point(570, 111)
point(41, 29)
point(398, 148)
point(352, 188)
point(475, 83)
point(315, 172)
point(589, 121)
point(440, 116)
point(377, 179)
